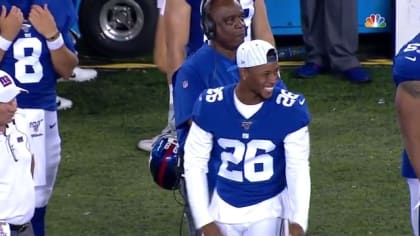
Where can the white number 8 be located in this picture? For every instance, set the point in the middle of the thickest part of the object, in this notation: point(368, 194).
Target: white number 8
point(27, 52)
point(247, 154)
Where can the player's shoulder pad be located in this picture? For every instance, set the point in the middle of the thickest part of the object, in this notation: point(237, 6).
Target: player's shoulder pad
point(406, 64)
point(286, 98)
point(410, 52)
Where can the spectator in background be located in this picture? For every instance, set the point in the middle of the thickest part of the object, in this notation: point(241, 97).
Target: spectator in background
point(182, 23)
point(17, 191)
point(331, 39)
point(406, 73)
point(35, 47)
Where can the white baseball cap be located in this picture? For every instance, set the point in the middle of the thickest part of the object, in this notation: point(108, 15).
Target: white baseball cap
point(255, 53)
point(8, 88)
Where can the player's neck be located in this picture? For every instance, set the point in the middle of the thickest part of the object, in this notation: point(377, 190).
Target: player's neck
point(247, 97)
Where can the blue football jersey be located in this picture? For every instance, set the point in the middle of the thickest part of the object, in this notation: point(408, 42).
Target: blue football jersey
point(28, 60)
point(205, 69)
point(406, 67)
point(248, 154)
point(406, 64)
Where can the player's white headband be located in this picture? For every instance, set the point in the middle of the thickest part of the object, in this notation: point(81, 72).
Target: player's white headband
point(254, 53)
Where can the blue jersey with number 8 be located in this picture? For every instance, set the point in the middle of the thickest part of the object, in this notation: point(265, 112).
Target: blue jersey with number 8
point(28, 59)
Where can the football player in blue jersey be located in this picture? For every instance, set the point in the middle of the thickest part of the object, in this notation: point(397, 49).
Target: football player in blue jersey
point(213, 64)
point(35, 49)
point(255, 135)
point(406, 73)
point(182, 22)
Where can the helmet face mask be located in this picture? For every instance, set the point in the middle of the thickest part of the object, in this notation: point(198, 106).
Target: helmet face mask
point(164, 162)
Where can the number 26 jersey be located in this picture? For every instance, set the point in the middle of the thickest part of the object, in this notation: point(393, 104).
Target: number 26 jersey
point(248, 154)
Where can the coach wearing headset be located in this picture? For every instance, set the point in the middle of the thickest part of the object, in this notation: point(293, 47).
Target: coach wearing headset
point(182, 24)
point(17, 191)
point(213, 64)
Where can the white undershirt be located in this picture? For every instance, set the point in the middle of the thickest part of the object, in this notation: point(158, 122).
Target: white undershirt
point(292, 204)
point(246, 110)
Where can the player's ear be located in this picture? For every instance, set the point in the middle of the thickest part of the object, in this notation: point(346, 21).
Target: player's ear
point(243, 73)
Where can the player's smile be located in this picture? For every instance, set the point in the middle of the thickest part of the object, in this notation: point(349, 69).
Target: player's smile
point(267, 91)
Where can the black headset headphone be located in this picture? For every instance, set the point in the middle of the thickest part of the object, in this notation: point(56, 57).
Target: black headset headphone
point(207, 24)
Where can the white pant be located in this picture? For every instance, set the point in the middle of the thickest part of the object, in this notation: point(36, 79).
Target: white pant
point(414, 187)
point(267, 227)
point(46, 146)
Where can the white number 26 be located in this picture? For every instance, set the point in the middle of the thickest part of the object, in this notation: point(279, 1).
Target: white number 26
point(255, 167)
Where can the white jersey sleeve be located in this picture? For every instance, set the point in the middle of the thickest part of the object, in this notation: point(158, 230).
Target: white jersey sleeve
point(298, 179)
point(196, 156)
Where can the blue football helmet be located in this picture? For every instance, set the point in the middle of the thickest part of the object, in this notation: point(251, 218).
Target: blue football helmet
point(164, 162)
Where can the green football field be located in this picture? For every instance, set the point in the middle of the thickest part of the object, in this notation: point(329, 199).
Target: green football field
point(105, 188)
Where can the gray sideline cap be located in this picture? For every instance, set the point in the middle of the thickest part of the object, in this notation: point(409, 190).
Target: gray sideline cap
point(255, 53)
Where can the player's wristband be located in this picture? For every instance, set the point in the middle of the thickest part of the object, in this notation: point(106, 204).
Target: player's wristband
point(5, 44)
point(56, 43)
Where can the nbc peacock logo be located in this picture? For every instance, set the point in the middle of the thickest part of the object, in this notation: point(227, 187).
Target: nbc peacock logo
point(375, 21)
